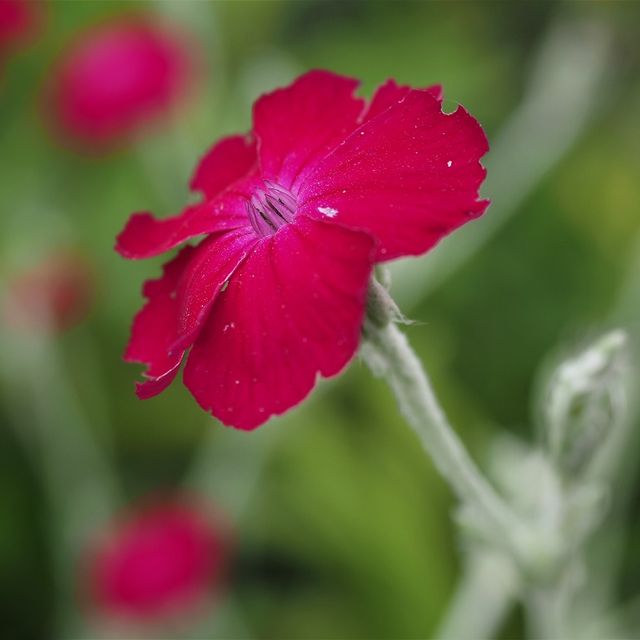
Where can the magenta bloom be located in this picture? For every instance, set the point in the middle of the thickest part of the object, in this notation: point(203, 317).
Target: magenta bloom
point(116, 78)
point(53, 295)
point(159, 561)
point(19, 20)
point(295, 215)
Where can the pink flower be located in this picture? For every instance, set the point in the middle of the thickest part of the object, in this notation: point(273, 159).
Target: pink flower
point(54, 295)
point(161, 560)
point(19, 20)
point(116, 78)
point(295, 215)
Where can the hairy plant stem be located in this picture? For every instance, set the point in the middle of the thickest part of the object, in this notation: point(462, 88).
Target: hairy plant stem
point(485, 594)
point(389, 355)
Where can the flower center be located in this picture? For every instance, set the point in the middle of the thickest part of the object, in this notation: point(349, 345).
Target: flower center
point(271, 208)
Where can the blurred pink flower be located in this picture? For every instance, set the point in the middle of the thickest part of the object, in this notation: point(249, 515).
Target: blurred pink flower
point(159, 560)
point(296, 214)
point(19, 21)
point(54, 295)
point(116, 78)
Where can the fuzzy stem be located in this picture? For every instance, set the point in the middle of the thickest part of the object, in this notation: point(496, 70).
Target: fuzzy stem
point(483, 599)
point(389, 355)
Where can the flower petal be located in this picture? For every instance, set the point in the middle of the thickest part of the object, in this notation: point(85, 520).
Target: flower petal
point(145, 236)
point(409, 176)
point(151, 388)
point(301, 123)
point(154, 328)
point(292, 310)
point(178, 304)
point(390, 93)
point(213, 263)
point(227, 161)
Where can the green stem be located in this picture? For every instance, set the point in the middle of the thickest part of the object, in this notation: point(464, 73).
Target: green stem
point(549, 608)
point(389, 355)
point(483, 599)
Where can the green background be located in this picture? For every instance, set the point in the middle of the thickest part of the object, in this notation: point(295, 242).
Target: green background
point(343, 528)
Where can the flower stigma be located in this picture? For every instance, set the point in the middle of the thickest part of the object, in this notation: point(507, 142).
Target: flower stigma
point(270, 208)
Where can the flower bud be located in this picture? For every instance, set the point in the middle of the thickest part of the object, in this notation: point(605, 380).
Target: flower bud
point(54, 295)
point(584, 400)
point(19, 22)
point(159, 562)
point(117, 78)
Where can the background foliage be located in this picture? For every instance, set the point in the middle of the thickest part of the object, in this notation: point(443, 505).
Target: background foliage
point(343, 527)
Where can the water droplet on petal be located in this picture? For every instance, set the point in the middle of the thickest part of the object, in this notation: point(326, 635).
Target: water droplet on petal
point(330, 212)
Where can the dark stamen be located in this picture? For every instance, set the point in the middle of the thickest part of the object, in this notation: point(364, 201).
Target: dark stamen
point(270, 208)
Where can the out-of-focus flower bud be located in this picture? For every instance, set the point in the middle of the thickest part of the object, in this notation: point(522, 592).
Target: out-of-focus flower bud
point(54, 295)
point(159, 562)
point(115, 79)
point(19, 21)
point(585, 399)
